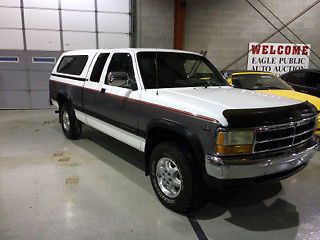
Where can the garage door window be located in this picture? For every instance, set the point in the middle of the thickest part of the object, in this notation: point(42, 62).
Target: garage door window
point(72, 64)
point(9, 59)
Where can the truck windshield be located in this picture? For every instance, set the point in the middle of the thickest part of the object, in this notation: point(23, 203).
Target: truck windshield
point(176, 70)
point(259, 82)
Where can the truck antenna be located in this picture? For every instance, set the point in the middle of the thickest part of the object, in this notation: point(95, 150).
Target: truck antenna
point(156, 65)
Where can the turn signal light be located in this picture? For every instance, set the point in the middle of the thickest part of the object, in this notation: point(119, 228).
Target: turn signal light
point(232, 142)
point(232, 150)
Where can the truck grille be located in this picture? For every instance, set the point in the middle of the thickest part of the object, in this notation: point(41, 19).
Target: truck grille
point(269, 138)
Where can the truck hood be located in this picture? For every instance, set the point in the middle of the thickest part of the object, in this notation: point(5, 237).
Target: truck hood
point(212, 101)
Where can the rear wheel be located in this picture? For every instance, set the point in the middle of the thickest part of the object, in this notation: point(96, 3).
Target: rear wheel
point(175, 180)
point(71, 127)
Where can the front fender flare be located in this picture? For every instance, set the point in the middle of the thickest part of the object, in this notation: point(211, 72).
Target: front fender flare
point(178, 129)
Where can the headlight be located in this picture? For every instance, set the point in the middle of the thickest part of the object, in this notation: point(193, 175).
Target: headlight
point(234, 142)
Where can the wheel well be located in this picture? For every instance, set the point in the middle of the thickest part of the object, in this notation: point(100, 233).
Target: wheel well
point(158, 135)
point(61, 99)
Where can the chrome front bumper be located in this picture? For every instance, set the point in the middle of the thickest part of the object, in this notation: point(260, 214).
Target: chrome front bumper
point(247, 167)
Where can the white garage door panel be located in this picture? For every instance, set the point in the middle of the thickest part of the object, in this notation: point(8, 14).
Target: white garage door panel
point(24, 85)
point(78, 4)
point(10, 3)
point(40, 99)
point(7, 36)
point(13, 80)
point(41, 19)
point(43, 40)
point(39, 80)
point(113, 22)
point(107, 40)
point(79, 21)
point(78, 40)
point(10, 18)
point(114, 6)
point(13, 100)
point(41, 3)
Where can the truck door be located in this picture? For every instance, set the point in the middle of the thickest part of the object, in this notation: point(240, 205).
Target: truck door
point(92, 88)
point(119, 102)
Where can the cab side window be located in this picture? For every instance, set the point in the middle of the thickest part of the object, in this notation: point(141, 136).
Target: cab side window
point(120, 71)
point(98, 67)
point(72, 64)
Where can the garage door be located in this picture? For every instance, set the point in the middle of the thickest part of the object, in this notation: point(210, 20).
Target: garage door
point(36, 32)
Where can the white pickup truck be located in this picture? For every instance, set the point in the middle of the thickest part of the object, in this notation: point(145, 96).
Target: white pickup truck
point(191, 125)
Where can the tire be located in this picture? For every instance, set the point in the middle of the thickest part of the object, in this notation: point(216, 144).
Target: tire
point(176, 158)
point(71, 127)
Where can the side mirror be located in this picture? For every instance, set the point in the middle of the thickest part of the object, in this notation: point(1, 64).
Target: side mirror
point(112, 76)
point(121, 79)
point(133, 85)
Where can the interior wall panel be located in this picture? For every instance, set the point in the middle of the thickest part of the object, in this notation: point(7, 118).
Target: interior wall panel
point(114, 22)
point(79, 40)
point(225, 32)
point(41, 3)
point(158, 30)
point(10, 18)
point(79, 21)
point(114, 6)
point(34, 19)
point(78, 4)
point(107, 40)
point(11, 39)
point(43, 40)
point(10, 3)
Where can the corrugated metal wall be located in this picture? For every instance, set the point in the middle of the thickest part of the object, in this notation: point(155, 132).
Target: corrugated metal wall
point(37, 28)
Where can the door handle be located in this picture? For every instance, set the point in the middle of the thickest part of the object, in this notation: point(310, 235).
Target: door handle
point(103, 90)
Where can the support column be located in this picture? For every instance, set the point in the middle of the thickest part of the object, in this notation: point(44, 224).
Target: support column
point(179, 22)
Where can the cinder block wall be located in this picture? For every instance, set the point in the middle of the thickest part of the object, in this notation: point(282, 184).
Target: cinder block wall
point(225, 27)
point(154, 23)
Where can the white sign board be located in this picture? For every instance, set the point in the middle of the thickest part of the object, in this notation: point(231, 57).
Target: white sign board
point(278, 58)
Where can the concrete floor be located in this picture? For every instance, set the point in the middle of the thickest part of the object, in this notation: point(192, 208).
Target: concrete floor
point(95, 188)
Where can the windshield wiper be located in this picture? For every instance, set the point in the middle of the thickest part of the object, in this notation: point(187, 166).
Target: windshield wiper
point(272, 87)
point(196, 65)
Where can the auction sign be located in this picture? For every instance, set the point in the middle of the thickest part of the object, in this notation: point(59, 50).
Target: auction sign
point(278, 58)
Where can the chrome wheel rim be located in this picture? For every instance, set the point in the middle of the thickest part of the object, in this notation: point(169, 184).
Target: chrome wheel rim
point(66, 121)
point(168, 177)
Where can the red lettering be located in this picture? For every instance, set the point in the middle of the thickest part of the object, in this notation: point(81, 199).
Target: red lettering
point(264, 49)
point(287, 50)
point(280, 49)
point(296, 50)
point(256, 49)
point(272, 50)
point(305, 50)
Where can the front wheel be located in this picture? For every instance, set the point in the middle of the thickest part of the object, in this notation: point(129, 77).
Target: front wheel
point(174, 178)
point(71, 127)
